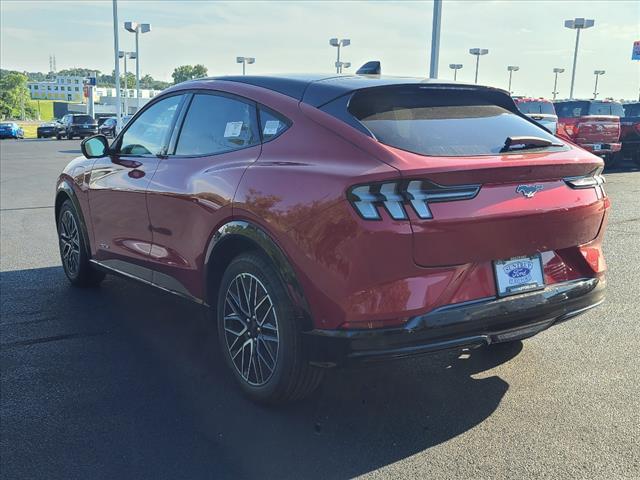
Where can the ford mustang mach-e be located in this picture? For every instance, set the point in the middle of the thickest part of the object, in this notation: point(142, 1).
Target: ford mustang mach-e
point(331, 220)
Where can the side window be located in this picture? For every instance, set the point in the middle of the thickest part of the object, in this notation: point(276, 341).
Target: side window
point(271, 125)
point(216, 124)
point(148, 134)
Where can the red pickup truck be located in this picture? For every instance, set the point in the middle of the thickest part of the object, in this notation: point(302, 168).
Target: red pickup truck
point(630, 131)
point(592, 124)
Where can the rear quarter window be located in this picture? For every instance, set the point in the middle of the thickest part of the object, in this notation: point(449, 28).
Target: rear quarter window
point(438, 123)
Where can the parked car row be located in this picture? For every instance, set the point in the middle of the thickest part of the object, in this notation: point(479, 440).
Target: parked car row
point(605, 128)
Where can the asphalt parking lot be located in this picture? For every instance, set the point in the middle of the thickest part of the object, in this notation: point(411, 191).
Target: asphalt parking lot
point(127, 382)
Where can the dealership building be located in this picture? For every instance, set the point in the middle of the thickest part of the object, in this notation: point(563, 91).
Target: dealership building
point(63, 88)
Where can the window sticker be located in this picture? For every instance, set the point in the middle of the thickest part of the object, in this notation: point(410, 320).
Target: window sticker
point(233, 129)
point(271, 127)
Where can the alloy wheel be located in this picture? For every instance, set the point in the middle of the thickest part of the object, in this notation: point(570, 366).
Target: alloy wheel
point(69, 242)
point(251, 329)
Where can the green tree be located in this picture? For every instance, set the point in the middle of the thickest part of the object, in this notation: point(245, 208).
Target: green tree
point(188, 72)
point(14, 96)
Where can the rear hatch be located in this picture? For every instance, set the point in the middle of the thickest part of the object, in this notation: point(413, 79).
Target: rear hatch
point(468, 195)
point(590, 122)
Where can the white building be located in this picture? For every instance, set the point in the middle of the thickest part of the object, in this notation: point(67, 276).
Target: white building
point(70, 89)
point(62, 88)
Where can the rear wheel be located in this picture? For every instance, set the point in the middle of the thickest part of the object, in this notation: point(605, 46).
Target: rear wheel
point(260, 336)
point(74, 252)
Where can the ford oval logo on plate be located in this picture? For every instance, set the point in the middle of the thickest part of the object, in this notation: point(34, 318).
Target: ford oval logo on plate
point(519, 274)
point(518, 269)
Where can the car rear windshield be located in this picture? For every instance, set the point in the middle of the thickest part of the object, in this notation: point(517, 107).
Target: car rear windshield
point(572, 109)
point(606, 108)
point(83, 119)
point(536, 107)
point(583, 108)
point(441, 122)
point(4, 124)
point(632, 110)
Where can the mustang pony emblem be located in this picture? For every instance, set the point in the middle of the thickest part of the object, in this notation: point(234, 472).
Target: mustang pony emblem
point(529, 190)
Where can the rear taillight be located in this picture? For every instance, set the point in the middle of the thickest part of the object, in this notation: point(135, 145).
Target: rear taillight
point(593, 180)
point(394, 197)
point(572, 130)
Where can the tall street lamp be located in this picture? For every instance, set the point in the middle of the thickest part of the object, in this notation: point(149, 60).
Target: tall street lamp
point(435, 38)
point(339, 42)
point(455, 67)
point(341, 65)
point(244, 61)
point(597, 73)
point(137, 28)
point(577, 24)
point(126, 55)
point(116, 56)
point(556, 71)
point(477, 52)
point(511, 69)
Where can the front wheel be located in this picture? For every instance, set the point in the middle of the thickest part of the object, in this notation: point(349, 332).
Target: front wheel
point(74, 251)
point(259, 334)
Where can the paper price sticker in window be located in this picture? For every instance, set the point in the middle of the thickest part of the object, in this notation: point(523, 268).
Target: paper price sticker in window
point(232, 129)
point(271, 127)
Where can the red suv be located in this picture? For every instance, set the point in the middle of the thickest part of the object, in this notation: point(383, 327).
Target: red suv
point(592, 124)
point(345, 219)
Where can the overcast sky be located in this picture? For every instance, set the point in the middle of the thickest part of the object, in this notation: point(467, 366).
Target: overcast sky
point(293, 37)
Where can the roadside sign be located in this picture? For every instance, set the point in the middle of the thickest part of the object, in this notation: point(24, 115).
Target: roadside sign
point(90, 81)
point(635, 55)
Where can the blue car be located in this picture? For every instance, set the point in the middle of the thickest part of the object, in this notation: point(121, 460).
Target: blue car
point(11, 130)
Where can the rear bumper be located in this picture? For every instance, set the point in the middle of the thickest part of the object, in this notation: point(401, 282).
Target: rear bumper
point(605, 148)
point(469, 324)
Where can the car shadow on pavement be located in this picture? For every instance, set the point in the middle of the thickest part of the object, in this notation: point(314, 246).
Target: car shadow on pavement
point(127, 382)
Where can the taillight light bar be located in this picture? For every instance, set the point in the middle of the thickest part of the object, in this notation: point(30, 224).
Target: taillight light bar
point(394, 197)
point(595, 179)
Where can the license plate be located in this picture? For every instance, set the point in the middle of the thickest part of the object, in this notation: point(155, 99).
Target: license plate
point(597, 147)
point(518, 274)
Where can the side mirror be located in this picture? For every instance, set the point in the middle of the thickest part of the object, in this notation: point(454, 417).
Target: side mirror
point(95, 147)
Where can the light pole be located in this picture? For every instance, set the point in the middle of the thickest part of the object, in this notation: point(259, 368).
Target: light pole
point(126, 55)
point(577, 24)
point(341, 65)
point(597, 73)
point(556, 71)
point(511, 69)
point(116, 56)
point(455, 67)
point(435, 38)
point(477, 52)
point(244, 61)
point(339, 42)
point(137, 28)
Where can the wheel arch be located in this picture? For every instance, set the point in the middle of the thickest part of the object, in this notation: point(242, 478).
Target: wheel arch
point(239, 236)
point(65, 192)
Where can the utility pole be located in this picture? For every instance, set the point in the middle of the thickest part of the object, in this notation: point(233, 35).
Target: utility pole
point(556, 71)
point(116, 51)
point(435, 38)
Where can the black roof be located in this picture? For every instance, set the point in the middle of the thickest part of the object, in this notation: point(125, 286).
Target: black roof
point(318, 90)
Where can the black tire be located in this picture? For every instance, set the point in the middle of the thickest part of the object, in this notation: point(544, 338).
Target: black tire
point(74, 252)
point(611, 160)
point(58, 136)
point(635, 156)
point(291, 377)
